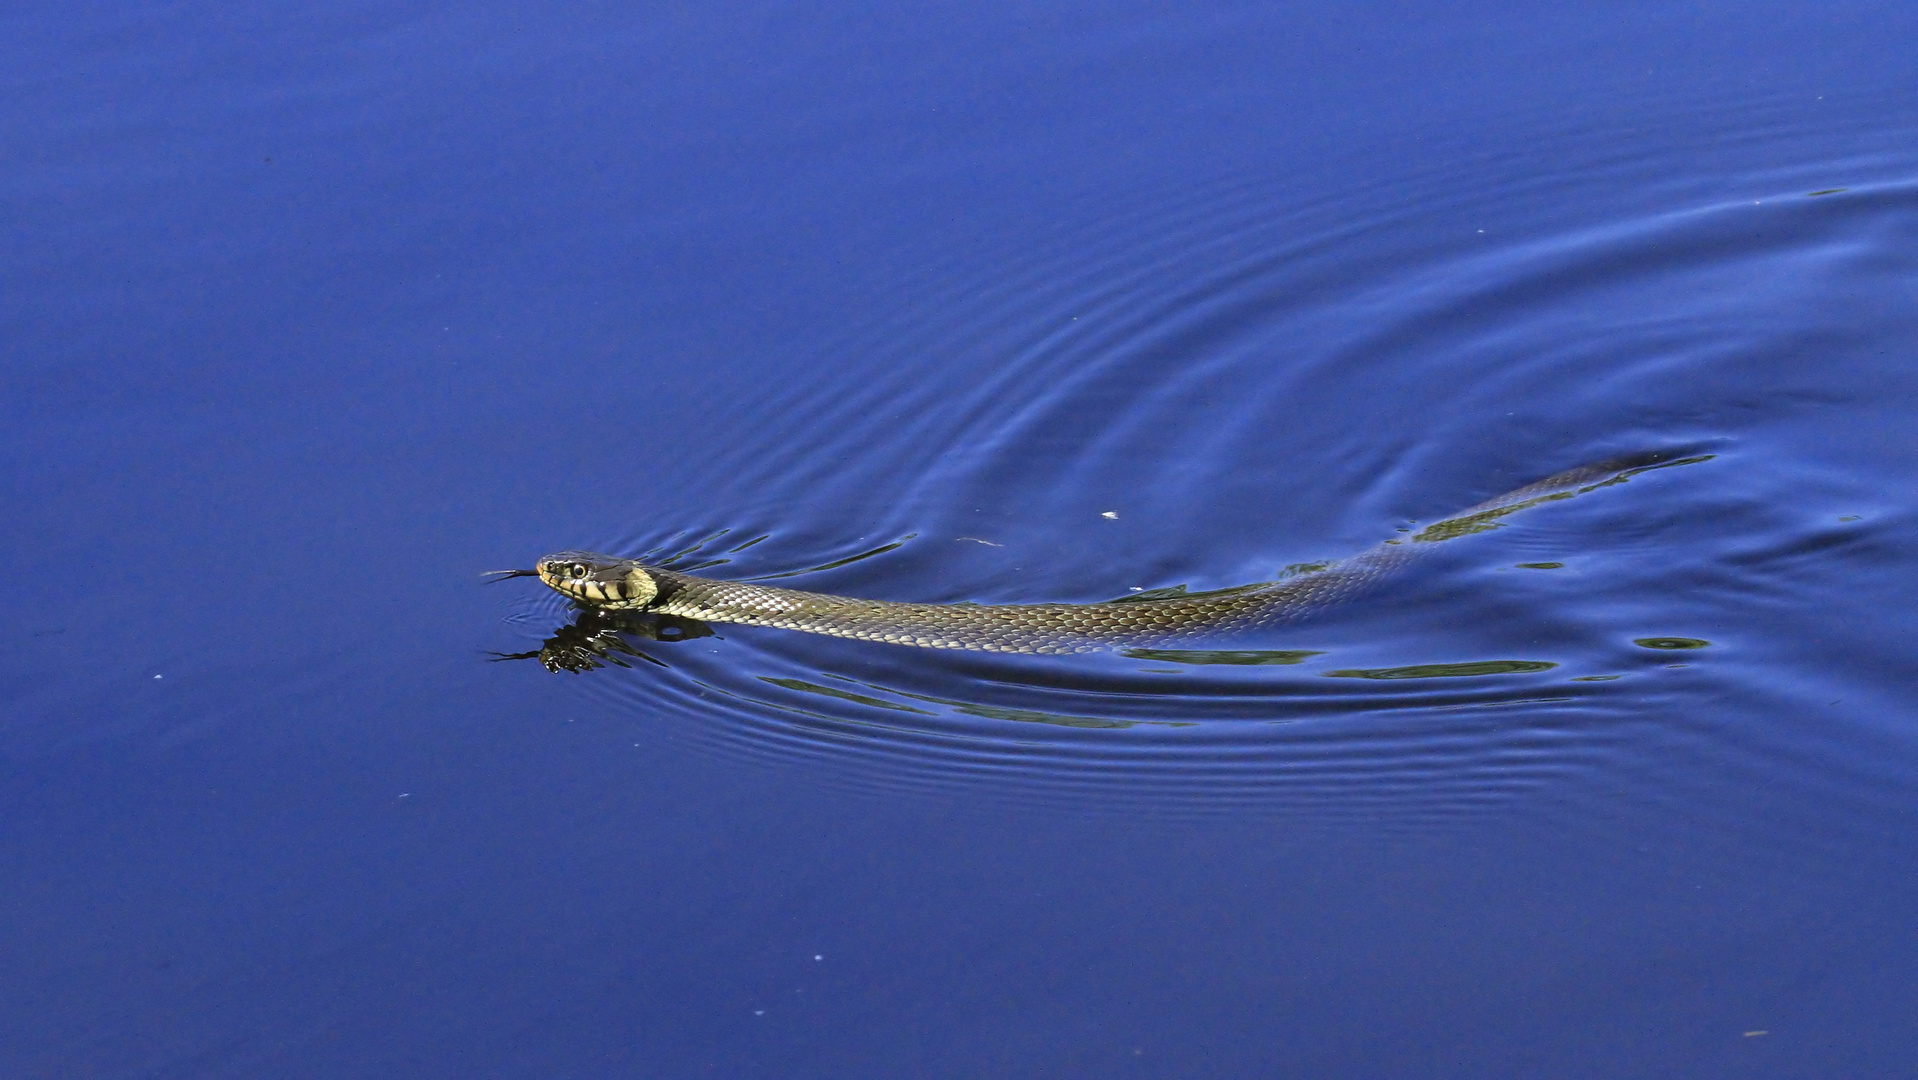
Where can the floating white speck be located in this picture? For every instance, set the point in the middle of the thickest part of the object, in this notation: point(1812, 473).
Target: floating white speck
point(1112, 514)
point(818, 957)
point(759, 1012)
point(159, 676)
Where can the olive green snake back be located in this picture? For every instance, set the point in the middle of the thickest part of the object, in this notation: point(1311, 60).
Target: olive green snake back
point(604, 581)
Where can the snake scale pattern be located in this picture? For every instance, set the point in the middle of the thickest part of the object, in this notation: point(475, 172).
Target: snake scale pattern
point(605, 581)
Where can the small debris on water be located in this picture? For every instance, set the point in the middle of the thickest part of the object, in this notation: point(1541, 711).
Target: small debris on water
point(1755, 1034)
point(1111, 514)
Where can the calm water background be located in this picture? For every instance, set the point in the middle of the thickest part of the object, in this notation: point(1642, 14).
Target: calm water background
point(310, 317)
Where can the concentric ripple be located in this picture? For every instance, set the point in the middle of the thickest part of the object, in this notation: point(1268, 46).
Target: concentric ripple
point(1211, 390)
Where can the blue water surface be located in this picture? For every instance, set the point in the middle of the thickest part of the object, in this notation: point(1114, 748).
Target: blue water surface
point(314, 315)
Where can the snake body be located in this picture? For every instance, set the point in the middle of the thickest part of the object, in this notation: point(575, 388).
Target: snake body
point(605, 581)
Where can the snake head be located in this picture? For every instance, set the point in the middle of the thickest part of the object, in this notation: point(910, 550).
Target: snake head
point(598, 580)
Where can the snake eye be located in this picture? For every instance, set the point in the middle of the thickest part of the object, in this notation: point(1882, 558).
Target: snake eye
point(579, 569)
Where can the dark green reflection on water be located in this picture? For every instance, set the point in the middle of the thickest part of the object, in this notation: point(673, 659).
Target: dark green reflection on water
point(1020, 716)
point(1030, 716)
point(1445, 671)
point(844, 695)
point(1237, 657)
point(1671, 642)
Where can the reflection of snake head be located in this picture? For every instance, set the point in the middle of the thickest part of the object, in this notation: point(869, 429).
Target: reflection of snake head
point(600, 580)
